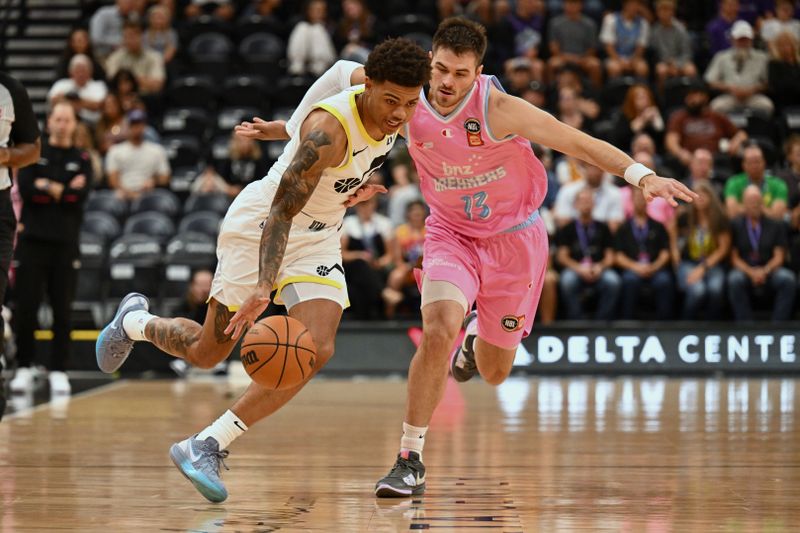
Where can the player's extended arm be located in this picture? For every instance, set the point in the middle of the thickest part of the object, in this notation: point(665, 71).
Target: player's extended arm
point(342, 75)
point(509, 115)
point(322, 146)
point(21, 155)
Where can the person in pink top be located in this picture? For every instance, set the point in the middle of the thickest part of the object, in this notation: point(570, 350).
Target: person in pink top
point(485, 242)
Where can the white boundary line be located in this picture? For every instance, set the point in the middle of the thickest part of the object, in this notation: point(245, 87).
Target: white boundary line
point(114, 385)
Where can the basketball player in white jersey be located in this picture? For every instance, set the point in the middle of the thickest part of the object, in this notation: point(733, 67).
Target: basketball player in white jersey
point(281, 234)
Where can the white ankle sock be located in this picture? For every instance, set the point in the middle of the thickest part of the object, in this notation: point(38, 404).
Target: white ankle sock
point(225, 429)
point(413, 439)
point(135, 322)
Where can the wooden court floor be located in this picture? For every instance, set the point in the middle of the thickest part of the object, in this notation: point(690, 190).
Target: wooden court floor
point(535, 454)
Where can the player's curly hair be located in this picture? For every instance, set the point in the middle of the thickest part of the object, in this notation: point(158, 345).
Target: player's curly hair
point(399, 61)
point(461, 35)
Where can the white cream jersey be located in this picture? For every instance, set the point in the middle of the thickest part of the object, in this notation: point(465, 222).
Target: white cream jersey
point(364, 156)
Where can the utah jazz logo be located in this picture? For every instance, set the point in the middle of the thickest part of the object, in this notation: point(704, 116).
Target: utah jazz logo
point(249, 358)
point(346, 185)
point(323, 270)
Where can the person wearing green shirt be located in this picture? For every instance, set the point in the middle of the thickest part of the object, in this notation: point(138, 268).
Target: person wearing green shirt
point(773, 189)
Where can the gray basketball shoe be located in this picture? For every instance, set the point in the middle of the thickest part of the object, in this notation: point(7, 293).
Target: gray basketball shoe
point(113, 344)
point(199, 460)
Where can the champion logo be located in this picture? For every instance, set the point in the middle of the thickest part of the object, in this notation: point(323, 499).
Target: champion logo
point(447, 132)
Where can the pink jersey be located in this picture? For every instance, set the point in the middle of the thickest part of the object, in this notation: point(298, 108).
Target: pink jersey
point(475, 184)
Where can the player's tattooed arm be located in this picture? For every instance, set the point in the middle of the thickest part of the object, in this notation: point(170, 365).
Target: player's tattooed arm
point(323, 145)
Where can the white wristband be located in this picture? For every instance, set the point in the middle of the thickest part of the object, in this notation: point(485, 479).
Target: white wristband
point(635, 173)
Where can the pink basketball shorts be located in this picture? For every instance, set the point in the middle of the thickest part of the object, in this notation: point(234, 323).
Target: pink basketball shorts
point(504, 274)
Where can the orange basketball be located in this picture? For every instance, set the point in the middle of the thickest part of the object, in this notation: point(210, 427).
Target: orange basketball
point(278, 352)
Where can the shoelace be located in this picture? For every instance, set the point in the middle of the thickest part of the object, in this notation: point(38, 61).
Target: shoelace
point(401, 463)
point(215, 458)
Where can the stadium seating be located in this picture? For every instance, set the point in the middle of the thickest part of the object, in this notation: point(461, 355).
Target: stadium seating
point(101, 224)
point(184, 254)
point(215, 203)
point(206, 222)
point(160, 200)
point(156, 226)
point(107, 201)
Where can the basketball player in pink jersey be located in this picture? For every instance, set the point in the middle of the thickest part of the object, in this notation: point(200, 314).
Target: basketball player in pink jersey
point(485, 243)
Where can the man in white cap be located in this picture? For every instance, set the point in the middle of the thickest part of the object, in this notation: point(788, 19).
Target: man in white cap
point(740, 73)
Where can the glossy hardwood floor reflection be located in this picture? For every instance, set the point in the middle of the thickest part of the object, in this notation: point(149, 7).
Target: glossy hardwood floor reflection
point(538, 454)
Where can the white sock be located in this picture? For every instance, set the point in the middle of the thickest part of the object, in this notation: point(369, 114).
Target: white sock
point(413, 439)
point(225, 429)
point(135, 322)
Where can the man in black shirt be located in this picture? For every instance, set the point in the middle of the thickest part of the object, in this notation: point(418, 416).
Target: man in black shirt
point(19, 147)
point(642, 246)
point(759, 251)
point(586, 253)
point(47, 255)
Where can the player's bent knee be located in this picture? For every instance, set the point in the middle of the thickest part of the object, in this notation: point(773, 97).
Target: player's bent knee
point(205, 359)
point(324, 352)
point(494, 376)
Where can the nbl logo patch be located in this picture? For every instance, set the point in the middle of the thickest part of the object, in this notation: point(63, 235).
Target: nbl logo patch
point(512, 323)
point(473, 127)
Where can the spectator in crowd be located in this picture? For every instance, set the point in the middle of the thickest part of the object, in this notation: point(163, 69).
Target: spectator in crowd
point(310, 49)
point(573, 41)
point(672, 45)
point(160, 36)
point(784, 21)
point(718, 30)
point(266, 9)
point(607, 201)
point(124, 85)
point(783, 71)
point(586, 255)
point(519, 75)
point(83, 92)
point(740, 73)
point(639, 114)
point(405, 188)
point(78, 43)
point(703, 245)
point(112, 128)
point(195, 304)
point(366, 254)
point(406, 256)
point(146, 65)
point(570, 112)
point(697, 126)
point(84, 141)
point(520, 34)
point(245, 164)
point(701, 170)
point(643, 253)
point(758, 254)
point(136, 165)
point(587, 98)
point(46, 258)
point(355, 33)
point(790, 175)
point(105, 26)
point(774, 191)
point(625, 35)
point(535, 93)
point(223, 10)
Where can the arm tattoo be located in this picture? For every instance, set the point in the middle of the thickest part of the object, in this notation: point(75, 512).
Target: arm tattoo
point(296, 187)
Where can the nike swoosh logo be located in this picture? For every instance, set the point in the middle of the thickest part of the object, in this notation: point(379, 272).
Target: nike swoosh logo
point(236, 422)
point(356, 153)
point(193, 457)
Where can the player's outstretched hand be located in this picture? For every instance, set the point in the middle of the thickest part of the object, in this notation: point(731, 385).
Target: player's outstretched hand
point(667, 188)
point(248, 313)
point(364, 193)
point(262, 130)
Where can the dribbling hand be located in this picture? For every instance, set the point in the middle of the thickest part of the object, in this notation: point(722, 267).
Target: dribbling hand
point(248, 313)
point(364, 193)
point(667, 188)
